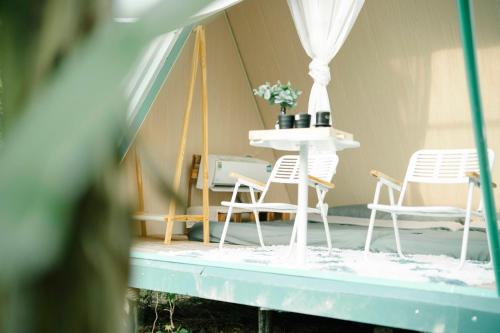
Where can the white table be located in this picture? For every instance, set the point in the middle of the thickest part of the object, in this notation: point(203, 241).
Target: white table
point(302, 139)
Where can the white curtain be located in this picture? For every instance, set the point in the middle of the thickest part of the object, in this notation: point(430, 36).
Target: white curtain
point(323, 26)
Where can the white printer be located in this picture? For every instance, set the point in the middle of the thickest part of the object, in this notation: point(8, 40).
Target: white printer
point(221, 166)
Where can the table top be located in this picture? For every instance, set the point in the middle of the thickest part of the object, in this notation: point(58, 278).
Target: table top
point(323, 138)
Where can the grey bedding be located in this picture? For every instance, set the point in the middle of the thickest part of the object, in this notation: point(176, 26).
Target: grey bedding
point(423, 241)
point(433, 241)
point(362, 211)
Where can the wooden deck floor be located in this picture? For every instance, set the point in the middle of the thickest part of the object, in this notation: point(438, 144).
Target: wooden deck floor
point(157, 246)
point(438, 307)
point(151, 244)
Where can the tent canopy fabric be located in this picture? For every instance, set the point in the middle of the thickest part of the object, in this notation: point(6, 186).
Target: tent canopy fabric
point(322, 26)
point(157, 59)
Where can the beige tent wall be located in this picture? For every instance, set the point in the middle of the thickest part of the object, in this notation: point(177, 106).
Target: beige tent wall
point(398, 84)
point(232, 113)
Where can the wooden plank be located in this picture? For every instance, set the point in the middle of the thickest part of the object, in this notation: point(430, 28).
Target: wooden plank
point(377, 174)
point(159, 217)
point(193, 176)
point(140, 193)
point(152, 244)
point(476, 178)
point(248, 179)
point(321, 181)
point(187, 218)
point(204, 111)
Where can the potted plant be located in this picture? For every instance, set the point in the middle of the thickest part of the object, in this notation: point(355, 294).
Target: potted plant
point(282, 94)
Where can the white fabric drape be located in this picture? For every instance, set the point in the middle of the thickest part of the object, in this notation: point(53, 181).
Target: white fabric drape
point(323, 26)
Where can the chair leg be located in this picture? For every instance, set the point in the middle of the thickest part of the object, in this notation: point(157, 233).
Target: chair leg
point(259, 230)
point(323, 209)
point(465, 239)
point(226, 225)
point(256, 215)
point(327, 228)
point(395, 224)
point(370, 231)
point(396, 235)
point(228, 216)
point(372, 219)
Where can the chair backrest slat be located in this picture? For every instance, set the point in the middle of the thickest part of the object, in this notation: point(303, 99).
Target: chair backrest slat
point(323, 166)
point(439, 166)
point(286, 170)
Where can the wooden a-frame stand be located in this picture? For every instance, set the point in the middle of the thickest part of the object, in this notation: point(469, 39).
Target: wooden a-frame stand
point(140, 193)
point(199, 55)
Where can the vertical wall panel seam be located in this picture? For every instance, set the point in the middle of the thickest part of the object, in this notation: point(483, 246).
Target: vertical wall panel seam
point(245, 72)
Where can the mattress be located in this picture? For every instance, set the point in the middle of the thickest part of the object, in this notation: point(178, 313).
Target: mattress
point(433, 241)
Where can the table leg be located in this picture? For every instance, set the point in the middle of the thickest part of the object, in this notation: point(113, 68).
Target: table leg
point(302, 203)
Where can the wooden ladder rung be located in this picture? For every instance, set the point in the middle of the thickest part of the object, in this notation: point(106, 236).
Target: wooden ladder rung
point(187, 218)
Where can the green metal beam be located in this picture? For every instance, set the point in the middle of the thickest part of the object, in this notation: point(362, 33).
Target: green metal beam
point(466, 31)
point(429, 307)
point(159, 81)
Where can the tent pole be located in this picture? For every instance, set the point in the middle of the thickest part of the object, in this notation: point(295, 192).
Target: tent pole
point(466, 32)
point(204, 112)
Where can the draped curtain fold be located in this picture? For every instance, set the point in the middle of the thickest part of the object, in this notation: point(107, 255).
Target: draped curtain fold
point(323, 26)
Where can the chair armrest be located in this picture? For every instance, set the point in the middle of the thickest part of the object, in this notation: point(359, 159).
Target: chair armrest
point(387, 180)
point(321, 182)
point(474, 177)
point(248, 181)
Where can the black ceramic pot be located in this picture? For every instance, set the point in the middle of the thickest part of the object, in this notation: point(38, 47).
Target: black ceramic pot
point(286, 121)
point(323, 119)
point(303, 120)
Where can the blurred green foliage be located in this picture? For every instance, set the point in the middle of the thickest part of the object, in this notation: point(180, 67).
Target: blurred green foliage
point(1, 110)
point(64, 227)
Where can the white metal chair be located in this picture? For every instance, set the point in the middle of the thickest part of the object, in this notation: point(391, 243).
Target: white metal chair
point(455, 166)
point(321, 169)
